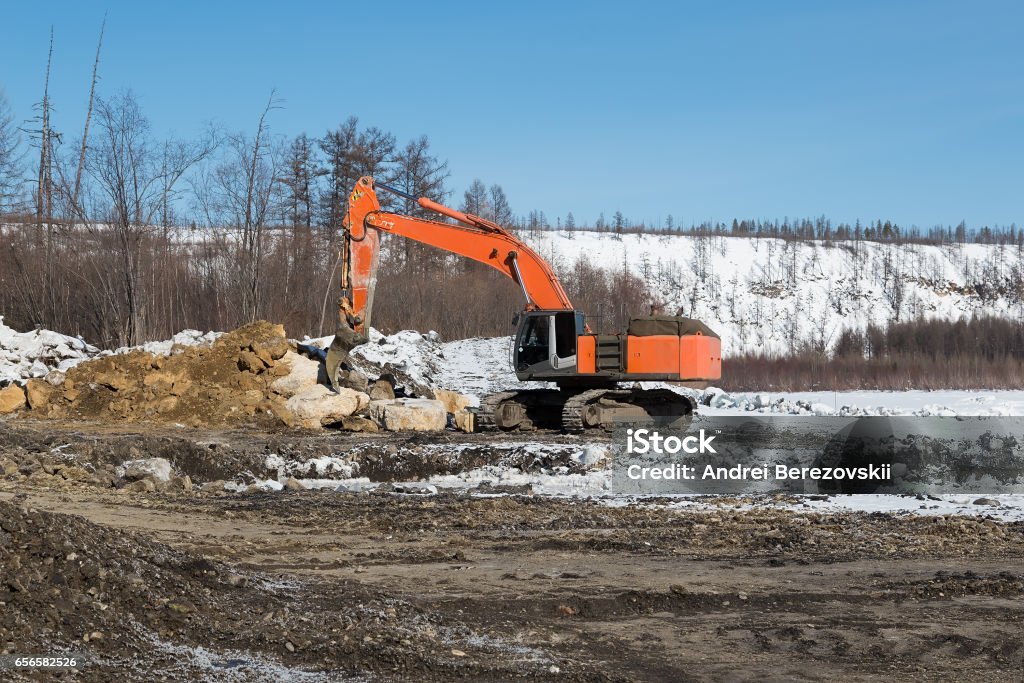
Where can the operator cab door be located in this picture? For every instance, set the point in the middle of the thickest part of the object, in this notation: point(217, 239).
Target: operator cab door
point(546, 343)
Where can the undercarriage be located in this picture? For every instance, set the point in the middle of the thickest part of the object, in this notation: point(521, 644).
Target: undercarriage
point(578, 411)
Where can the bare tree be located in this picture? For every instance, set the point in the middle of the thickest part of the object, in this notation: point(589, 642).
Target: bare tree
point(242, 193)
point(44, 190)
point(88, 118)
point(133, 177)
point(10, 158)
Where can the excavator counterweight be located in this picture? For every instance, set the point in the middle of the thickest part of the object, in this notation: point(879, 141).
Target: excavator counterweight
point(553, 342)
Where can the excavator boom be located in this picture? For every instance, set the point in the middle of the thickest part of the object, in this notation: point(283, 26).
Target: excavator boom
point(469, 236)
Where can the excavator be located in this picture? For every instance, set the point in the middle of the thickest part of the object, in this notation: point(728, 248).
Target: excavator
point(552, 343)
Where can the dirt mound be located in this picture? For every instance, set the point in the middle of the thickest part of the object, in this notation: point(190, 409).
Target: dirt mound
point(227, 383)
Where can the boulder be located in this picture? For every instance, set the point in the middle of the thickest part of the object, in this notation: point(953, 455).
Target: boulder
point(38, 393)
point(141, 486)
point(453, 401)
point(465, 421)
point(357, 423)
point(250, 362)
point(382, 390)
point(273, 348)
point(317, 406)
point(55, 377)
point(353, 379)
point(412, 414)
point(302, 374)
point(11, 398)
point(9, 467)
point(157, 469)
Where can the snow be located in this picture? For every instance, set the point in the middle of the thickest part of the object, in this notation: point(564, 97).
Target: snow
point(595, 482)
point(864, 403)
point(166, 346)
point(772, 295)
point(324, 465)
point(1010, 505)
point(27, 355)
point(24, 355)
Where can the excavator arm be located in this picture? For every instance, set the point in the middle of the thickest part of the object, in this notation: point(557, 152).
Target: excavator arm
point(469, 236)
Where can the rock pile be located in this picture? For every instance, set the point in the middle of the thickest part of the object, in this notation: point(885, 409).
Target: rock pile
point(251, 376)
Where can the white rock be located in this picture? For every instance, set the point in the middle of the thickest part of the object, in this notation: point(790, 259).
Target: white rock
point(822, 409)
point(317, 405)
point(591, 455)
point(302, 375)
point(722, 400)
point(157, 468)
point(413, 414)
point(414, 487)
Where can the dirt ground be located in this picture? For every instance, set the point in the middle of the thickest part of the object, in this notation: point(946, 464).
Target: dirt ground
point(321, 585)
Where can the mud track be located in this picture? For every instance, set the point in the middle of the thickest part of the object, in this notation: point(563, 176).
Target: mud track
point(318, 585)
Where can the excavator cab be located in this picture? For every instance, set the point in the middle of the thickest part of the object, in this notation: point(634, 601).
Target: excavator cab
point(545, 346)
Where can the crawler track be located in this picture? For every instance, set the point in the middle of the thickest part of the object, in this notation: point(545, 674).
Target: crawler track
point(578, 412)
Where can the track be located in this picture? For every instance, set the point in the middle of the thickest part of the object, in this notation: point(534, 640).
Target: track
point(577, 412)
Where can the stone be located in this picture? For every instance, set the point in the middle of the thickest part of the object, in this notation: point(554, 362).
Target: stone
point(38, 393)
point(75, 473)
point(302, 374)
point(318, 406)
point(29, 464)
point(183, 483)
point(141, 486)
point(110, 378)
point(465, 421)
point(414, 487)
point(213, 486)
point(358, 423)
point(166, 404)
point(158, 469)
point(410, 414)
point(453, 401)
point(8, 467)
point(252, 397)
point(353, 379)
point(276, 347)
point(55, 377)
point(250, 362)
point(382, 391)
point(12, 397)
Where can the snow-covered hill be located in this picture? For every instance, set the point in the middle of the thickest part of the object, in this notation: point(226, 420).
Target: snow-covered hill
point(772, 295)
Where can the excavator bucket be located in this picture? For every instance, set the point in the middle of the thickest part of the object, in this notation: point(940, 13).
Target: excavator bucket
point(345, 339)
point(359, 256)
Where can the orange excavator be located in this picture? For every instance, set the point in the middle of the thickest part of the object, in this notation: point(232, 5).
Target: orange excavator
point(552, 343)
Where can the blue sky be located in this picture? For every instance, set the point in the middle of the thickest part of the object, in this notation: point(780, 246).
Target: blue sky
point(705, 110)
